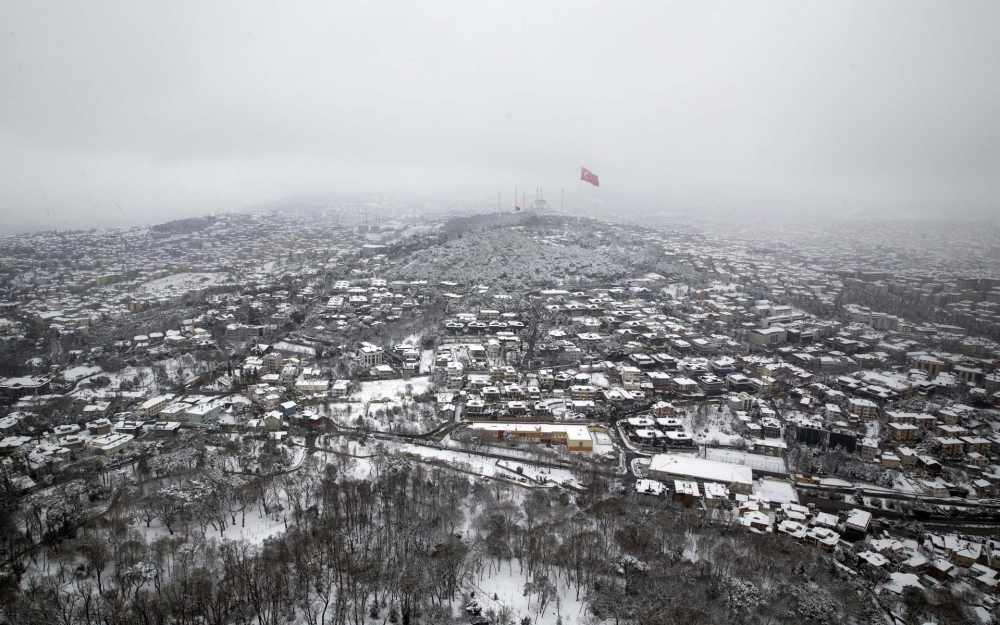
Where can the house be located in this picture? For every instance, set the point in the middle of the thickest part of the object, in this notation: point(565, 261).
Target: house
point(823, 537)
point(907, 457)
point(768, 337)
point(975, 444)
point(133, 428)
point(340, 388)
point(714, 493)
point(10, 444)
point(929, 464)
point(945, 430)
point(152, 407)
point(967, 553)
point(864, 409)
point(631, 377)
point(869, 560)
point(951, 447)
point(165, 428)
point(272, 421)
point(311, 385)
point(770, 447)
point(793, 530)
point(903, 433)
point(111, 443)
point(915, 564)
point(650, 487)
point(869, 449)
point(934, 488)
point(99, 427)
point(370, 355)
point(756, 521)
point(687, 492)
point(890, 460)
point(684, 386)
point(272, 363)
point(857, 524)
point(740, 402)
point(16, 388)
point(206, 412)
point(663, 409)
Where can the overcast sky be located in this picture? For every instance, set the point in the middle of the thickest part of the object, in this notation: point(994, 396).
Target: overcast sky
point(179, 108)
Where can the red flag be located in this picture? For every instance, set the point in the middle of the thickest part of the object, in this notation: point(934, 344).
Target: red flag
point(588, 176)
point(516, 208)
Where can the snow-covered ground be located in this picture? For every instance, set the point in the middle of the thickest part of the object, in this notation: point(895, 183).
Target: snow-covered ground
point(142, 375)
point(460, 459)
point(835, 481)
point(180, 282)
point(713, 425)
point(385, 415)
point(343, 412)
point(283, 346)
point(903, 483)
point(535, 473)
point(754, 461)
point(78, 373)
point(507, 584)
point(390, 389)
point(602, 444)
point(776, 491)
point(599, 380)
point(427, 361)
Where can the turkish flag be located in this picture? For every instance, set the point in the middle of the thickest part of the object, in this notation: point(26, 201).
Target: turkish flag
point(588, 176)
point(516, 208)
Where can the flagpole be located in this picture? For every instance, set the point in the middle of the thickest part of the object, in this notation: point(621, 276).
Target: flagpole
point(579, 191)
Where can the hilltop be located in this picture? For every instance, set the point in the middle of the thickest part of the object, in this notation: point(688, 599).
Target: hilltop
point(515, 256)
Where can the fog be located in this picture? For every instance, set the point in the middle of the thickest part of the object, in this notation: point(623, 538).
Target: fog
point(116, 113)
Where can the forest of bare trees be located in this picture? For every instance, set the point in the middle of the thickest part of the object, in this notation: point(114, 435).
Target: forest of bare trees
point(404, 546)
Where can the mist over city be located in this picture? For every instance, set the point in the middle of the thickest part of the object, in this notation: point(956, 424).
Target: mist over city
point(181, 109)
point(459, 313)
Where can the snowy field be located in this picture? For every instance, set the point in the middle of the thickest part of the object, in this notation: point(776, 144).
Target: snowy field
point(459, 459)
point(754, 461)
point(427, 361)
point(602, 444)
point(180, 282)
point(776, 491)
point(143, 376)
point(390, 389)
point(384, 415)
point(341, 411)
point(78, 373)
point(283, 346)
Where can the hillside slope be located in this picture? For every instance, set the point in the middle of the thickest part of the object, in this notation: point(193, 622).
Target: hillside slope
point(512, 257)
